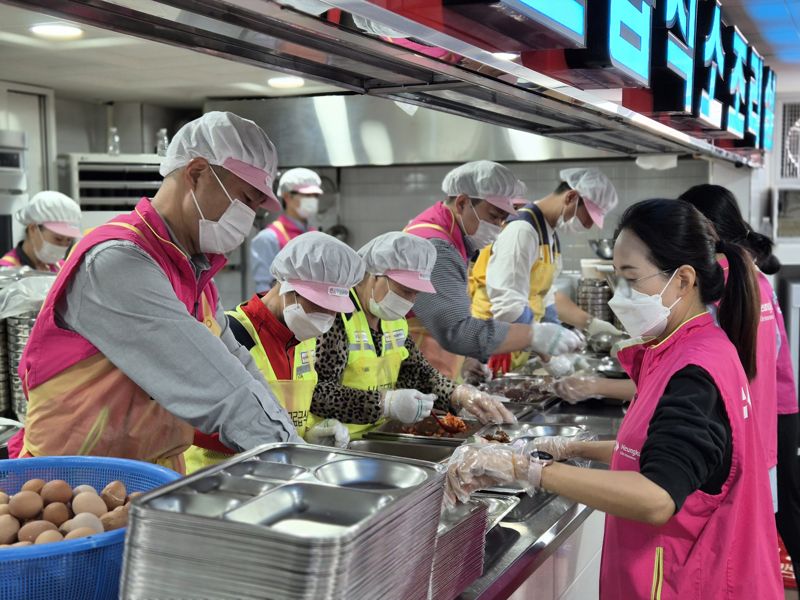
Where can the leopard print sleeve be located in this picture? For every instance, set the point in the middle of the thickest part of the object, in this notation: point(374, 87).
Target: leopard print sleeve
point(418, 374)
point(331, 399)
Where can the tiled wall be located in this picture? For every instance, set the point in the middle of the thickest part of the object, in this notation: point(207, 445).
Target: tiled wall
point(378, 199)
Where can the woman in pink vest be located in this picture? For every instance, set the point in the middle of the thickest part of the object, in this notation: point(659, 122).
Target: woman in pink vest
point(52, 224)
point(774, 392)
point(687, 497)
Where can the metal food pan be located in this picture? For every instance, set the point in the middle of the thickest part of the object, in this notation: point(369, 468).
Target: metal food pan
point(312, 511)
point(427, 430)
point(370, 474)
point(530, 430)
point(407, 448)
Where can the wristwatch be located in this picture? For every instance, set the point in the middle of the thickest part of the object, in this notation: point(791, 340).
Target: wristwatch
point(543, 458)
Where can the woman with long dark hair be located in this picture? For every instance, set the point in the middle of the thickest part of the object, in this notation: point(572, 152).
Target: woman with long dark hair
point(687, 495)
point(773, 391)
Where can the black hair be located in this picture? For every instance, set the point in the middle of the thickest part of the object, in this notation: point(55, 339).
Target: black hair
point(719, 205)
point(473, 201)
point(562, 187)
point(678, 234)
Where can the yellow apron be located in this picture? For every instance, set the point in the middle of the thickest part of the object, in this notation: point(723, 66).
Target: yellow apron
point(294, 395)
point(366, 370)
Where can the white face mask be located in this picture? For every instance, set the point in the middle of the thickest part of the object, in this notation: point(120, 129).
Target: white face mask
point(573, 225)
point(485, 234)
point(641, 315)
point(227, 234)
point(309, 207)
point(393, 307)
point(305, 325)
point(49, 253)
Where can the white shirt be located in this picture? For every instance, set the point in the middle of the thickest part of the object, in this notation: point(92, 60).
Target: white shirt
point(508, 274)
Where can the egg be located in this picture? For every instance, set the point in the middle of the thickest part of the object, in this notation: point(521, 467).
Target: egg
point(80, 521)
point(79, 533)
point(48, 537)
point(114, 494)
point(116, 519)
point(3, 498)
point(57, 513)
point(23, 544)
point(89, 502)
point(9, 527)
point(25, 505)
point(33, 529)
point(4, 509)
point(83, 488)
point(33, 485)
point(57, 490)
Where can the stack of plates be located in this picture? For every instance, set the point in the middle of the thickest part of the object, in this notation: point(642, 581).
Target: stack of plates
point(19, 330)
point(459, 550)
point(287, 521)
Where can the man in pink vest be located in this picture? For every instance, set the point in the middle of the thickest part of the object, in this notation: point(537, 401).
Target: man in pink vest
point(131, 352)
point(480, 197)
point(300, 190)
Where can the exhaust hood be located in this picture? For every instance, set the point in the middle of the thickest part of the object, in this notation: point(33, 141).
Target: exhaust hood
point(486, 88)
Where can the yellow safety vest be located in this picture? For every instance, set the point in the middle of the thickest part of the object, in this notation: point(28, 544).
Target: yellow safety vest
point(543, 271)
point(366, 370)
point(294, 394)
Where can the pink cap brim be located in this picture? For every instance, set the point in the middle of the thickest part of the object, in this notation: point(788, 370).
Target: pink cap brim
point(594, 211)
point(503, 203)
point(413, 280)
point(65, 229)
point(518, 202)
point(256, 177)
point(325, 295)
point(309, 189)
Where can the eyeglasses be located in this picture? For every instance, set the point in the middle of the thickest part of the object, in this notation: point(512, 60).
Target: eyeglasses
point(625, 286)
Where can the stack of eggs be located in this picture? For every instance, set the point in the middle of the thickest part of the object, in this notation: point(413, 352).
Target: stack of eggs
point(43, 512)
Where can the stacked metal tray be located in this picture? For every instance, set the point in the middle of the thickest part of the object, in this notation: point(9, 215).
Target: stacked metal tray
point(460, 544)
point(288, 521)
point(427, 431)
point(19, 330)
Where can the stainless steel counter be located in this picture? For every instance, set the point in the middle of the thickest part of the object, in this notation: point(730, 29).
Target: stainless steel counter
point(516, 548)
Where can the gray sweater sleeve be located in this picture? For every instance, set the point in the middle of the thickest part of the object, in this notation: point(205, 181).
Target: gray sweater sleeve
point(447, 314)
point(122, 302)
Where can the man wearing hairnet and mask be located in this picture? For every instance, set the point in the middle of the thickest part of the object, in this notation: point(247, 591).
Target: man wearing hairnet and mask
point(299, 190)
point(314, 274)
point(513, 278)
point(479, 199)
point(131, 351)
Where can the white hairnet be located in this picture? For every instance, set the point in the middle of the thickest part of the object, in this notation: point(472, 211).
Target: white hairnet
point(595, 188)
point(318, 258)
point(485, 180)
point(58, 211)
point(304, 181)
point(227, 140)
point(398, 251)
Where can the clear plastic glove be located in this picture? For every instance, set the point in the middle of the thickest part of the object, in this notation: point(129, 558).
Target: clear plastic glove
point(479, 466)
point(329, 432)
point(551, 339)
point(560, 366)
point(598, 326)
point(577, 389)
point(559, 447)
point(474, 371)
point(407, 406)
point(485, 407)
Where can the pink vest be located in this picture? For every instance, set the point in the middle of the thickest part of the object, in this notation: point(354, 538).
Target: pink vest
point(439, 222)
point(51, 350)
point(715, 547)
point(786, 386)
point(285, 230)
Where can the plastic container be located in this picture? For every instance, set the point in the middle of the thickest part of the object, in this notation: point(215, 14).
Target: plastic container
point(83, 569)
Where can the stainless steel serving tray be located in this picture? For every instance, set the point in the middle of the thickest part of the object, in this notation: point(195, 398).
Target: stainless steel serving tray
point(530, 431)
point(293, 490)
point(498, 506)
point(407, 449)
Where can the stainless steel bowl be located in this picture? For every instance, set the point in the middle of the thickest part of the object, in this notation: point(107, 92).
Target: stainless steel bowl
point(603, 248)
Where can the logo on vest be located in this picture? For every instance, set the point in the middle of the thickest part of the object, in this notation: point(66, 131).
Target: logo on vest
point(626, 451)
point(746, 404)
point(299, 417)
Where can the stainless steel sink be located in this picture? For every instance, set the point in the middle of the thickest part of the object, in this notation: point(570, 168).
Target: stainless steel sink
point(415, 450)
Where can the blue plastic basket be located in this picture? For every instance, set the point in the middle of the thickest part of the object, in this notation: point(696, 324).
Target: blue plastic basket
point(83, 569)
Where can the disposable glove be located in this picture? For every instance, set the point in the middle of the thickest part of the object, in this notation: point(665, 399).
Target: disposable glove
point(407, 406)
point(485, 407)
point(329, 432)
